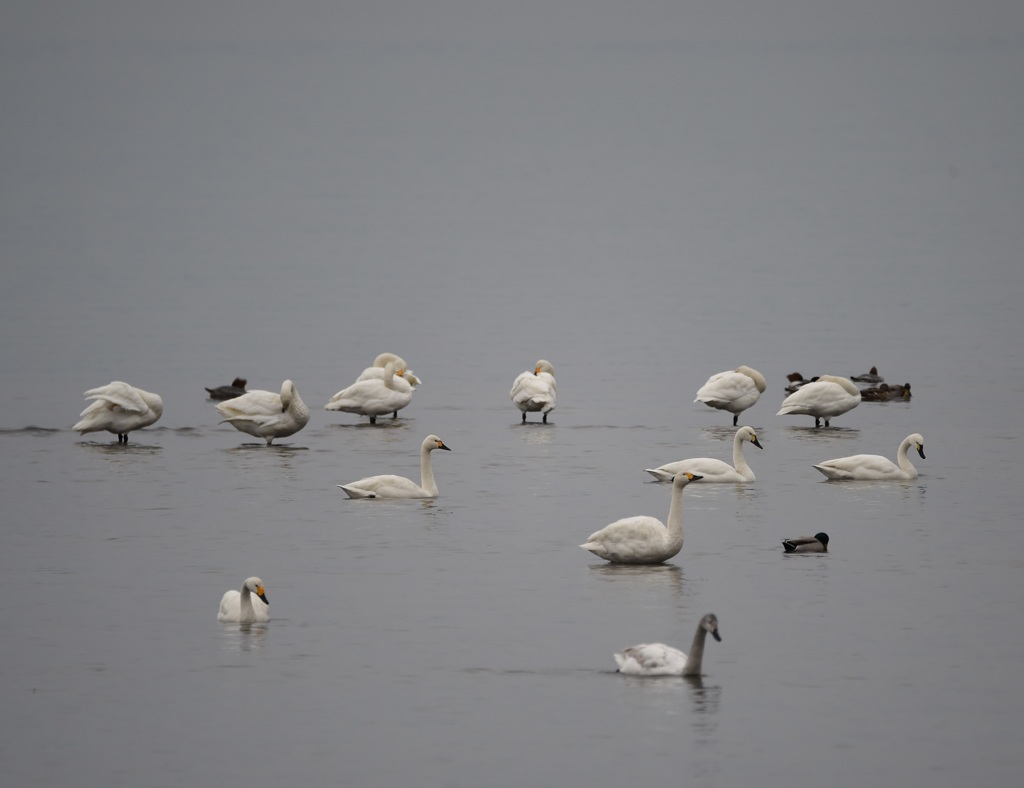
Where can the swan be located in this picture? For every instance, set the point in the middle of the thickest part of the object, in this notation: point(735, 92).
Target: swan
point(376, 370)
point(643, 539)
point(264, 414)
point(868, 467)
point(389, 486)
point(886, 393)
point(535, 391)
point(868, 377)
point(828, 396)
point(734, 391)
point(807, 544)
point(236, 389)
point(710, 469)
point(119, 408)
point(374, 397)
point(241, 607)
point(657, 659)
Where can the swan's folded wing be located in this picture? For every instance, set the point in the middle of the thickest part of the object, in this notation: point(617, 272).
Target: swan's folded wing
point(252, 405)
point(121, 394)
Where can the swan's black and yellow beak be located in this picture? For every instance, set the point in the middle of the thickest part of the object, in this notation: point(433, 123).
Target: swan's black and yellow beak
point(753, 439)
point(262, 595)
point(920, 450)
point(440, 445)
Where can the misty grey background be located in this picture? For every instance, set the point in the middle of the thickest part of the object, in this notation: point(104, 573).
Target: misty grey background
point(643, 193)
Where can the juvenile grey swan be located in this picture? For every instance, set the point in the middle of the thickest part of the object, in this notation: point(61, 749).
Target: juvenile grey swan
point(657, 659)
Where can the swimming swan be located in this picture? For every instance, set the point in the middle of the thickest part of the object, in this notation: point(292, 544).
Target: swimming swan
point(807, 544)
point(828, 396)
point(643, 539)
point(264, 414)
point(401, 369)
point(239, 605)
point(710, 469)
point(119, 408)
point(869, 467)
point(374, 397)
point(734, 391)
point(389, 486)
point(535, 391)
point(657, 659)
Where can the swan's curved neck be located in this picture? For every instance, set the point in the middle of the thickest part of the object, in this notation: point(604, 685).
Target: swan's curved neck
point(904, 461)
point(427, 472)
point(738, 460)
point(675, 516)
point(696, 655)
point(246, 613)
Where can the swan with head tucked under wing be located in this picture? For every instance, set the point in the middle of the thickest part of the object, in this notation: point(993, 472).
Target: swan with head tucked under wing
point(643, 539)
point(710, 469)
point(733, 391)
point(248, 606)
point(391, 486)
point(119, 408)
point(535, 391)
point(875, 467)
point(265, 414)
point(824, 398)
point(657, 659)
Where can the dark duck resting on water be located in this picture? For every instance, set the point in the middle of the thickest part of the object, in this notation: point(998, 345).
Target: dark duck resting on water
point(807, 544)
point(868, 377)
point(886, 393)
point(236, 389)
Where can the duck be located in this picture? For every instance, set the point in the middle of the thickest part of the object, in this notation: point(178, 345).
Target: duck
point(710, 469)
point(374, 397)
point(643, 539)
point(807, 544)
point(886, 393)
point(874, 467)
point(868, 377)
point(733, 390)
point(242, 607)
point(264, 414)
point(536, 391)
point(827, 397)
point(119, 408)
point(390, 486)
point(236, 389)
point(376, 370)
point(657, 659)
point(797, 381)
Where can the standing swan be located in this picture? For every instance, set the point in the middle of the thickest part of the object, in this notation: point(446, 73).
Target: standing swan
point(239, 605)
point(264, 414)
point(872, 467)
point(119, 408)
point(657, 659)
point(374, 397)
point(643, 539)
point(710, 469)
point(828, 396)
point(376, 370)
point(535, 391)
point(389, 486)
point(733, 391)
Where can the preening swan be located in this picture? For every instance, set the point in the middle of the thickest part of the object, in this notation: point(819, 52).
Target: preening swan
point(236, 389)
point(873, 467)
point(535, 391)
point(807, 544)
point(264, 414)
point(828, 396)
point(389, 486)
point(241, 607)
point(657, 659)
point(374, 397)
point(401, 369)
point(733, 390)
point(119, 408)
point(643, 539)
point(710, 469)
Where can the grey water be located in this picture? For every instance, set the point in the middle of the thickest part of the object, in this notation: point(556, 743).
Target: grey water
point(196, 192)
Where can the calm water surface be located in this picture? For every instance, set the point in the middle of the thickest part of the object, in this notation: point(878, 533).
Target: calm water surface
point(181, 209)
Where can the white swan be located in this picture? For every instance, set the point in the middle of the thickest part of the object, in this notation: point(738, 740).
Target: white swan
point(828, 396)
point(401, 369)
point(710, 469)
point(807, 544)
point(535, 391)
point(389, 486)
point(732, 390)
point(871, 467)
point(119, 408)
point(657, 659)
point(643, 539)
point(373, 397)
point(264, 414)
point(241, 607)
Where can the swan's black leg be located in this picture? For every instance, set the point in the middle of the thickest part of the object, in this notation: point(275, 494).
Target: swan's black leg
point(394, 415)
point(373, 419)
point(827, 423)
point(524, 417)
point(817, 422)
point(735, 419)
point(545, 418)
